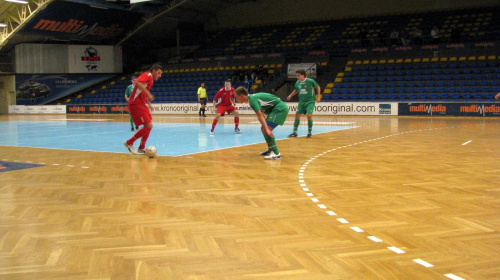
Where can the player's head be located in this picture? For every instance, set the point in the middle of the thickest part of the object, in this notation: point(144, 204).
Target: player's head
point(241, 94)
point(133, 79)
point(227, 84)
point(301, 74)
point(202, 84)
point(156, 71)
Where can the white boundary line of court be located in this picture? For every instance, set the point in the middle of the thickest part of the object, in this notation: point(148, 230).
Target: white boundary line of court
point(303, 185)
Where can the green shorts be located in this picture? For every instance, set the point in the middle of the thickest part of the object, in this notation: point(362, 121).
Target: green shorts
point(306, 107)
point(278, 115)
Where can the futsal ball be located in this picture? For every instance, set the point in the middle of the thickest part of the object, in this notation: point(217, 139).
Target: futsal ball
point(151, 151)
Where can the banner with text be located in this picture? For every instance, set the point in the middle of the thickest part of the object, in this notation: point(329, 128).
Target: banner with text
point(50, 109)
point(42, 89)
point(323, 108)
point(449, 109)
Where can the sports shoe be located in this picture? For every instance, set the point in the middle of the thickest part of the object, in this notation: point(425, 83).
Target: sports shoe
point(237, 130)
point(130, 148)
point(294, 134)
point(272, 155)
point(265, 153)
point(141, 151)
point(309, 135)
point(211, 132)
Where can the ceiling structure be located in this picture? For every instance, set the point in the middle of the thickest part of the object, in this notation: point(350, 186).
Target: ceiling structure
point(156, 20)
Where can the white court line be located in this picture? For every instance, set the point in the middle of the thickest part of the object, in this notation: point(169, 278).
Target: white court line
point(453, 276)
point(422, 262)
point(331, 213)
point(374, 239)
point(343, 221)
point(466, 143)
point(357, 229)
point(396, 250)
point(321, 206)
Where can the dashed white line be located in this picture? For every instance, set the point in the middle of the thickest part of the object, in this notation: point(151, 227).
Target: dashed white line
point(374, 239)
point(466, 143)
point(396, 250)
point(357, 229)
point(343, 221)
point(422, 262)
point(453, 276)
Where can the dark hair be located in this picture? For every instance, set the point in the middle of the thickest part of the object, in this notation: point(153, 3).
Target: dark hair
point(156, 67)
point(301, 72)
point(133, 77)
point(228, 81)
point(241, 90)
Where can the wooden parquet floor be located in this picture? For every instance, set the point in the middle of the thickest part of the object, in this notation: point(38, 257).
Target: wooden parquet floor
point(316, 214)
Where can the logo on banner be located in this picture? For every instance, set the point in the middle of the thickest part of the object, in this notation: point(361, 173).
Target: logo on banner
point(384, 109)
point(91, 57)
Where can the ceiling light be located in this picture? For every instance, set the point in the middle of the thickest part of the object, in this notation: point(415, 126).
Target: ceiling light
point(3, 25)
point(18, 1)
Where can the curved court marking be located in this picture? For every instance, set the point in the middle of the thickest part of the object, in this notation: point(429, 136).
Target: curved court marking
point(303, 184)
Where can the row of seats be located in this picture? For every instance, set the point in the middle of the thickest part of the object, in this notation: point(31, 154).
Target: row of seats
point(409, 97)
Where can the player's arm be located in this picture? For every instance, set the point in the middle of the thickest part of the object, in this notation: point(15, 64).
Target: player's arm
point(199, 96)
point(294, 92)
point(150, 106)
point(125, 95)
point(497, 96)
point(318, 94)
point(143, 88)
point(262, 120)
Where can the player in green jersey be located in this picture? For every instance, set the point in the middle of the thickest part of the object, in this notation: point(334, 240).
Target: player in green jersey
point(306, 88)
point(265, 104)
point(128, 91)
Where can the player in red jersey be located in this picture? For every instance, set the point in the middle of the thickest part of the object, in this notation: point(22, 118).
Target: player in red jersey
point(225, 100)
point(140, 113)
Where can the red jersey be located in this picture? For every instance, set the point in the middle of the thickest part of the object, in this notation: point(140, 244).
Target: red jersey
point(137, 96)
point(223, 97)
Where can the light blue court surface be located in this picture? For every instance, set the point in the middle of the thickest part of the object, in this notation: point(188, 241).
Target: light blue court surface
point(170, 139)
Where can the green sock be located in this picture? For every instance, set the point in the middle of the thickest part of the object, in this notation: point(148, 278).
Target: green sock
point(309, 126)
point(131, 122)
point(271, 143)
point(296, 125)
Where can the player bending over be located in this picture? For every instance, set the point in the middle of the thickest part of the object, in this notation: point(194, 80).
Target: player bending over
point(276, 110)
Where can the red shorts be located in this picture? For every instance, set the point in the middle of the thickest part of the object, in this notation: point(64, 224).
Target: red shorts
point(222, 109)
point(140, 114)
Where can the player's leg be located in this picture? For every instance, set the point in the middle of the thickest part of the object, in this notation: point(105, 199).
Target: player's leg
point(275, 118)
point(216, 119)
point(300, 110)
point(147, 130)
point(236, 115)
point(131, 123)
point(141, 116)
point(310, 110)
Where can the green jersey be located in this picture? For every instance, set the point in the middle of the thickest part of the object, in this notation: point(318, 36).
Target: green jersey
point(275, 109)
point(266, 102)
point(306, 90)
point(129, 90)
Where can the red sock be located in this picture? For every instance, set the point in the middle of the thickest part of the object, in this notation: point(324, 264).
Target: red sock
point(214, 124)
point(236, 122)
point(144, 138)
point(136, 136)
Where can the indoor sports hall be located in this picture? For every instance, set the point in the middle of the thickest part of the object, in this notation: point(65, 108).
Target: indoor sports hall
point(400, 179)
